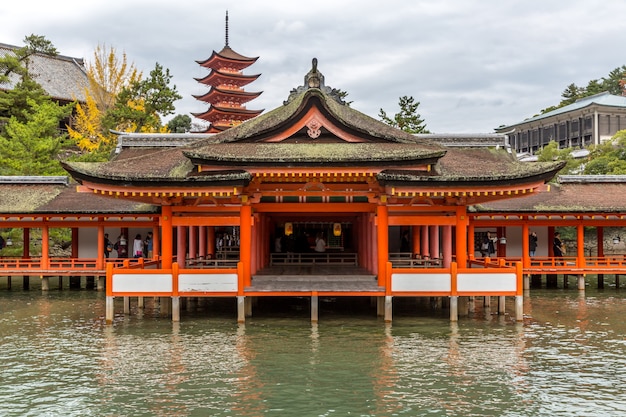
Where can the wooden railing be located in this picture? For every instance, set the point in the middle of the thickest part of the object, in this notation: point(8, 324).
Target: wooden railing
point(313, 258)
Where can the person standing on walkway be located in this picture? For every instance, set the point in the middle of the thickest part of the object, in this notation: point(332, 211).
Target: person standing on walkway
point(138, 247)
point(557, 246)
point(108, 246)
point(532, 244)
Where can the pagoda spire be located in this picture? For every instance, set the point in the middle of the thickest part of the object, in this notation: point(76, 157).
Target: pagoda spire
point(227, 96)
point(226, 44)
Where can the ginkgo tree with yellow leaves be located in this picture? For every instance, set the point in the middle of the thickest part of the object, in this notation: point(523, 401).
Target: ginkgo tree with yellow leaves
point(119, 99)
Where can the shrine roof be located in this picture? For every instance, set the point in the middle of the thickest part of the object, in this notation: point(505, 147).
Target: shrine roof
point(308, 154)
point(22, 195)
point(61, 77)
point(474, 166)
point(581, 194)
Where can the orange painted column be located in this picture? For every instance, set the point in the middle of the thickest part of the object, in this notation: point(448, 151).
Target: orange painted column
point(373, 244)
point(181, 246)
point(45, 247)
point(382, 216)
point(425, 242)
point(167, 241)
point(156, 242)
point(100, 257)
point(446, 235)
point(471, 243)
point(417, 241)
point(193, 242)
point(202, 242)
point(433, 232)
point(255, 232)
point(525, 243)
point(461, 237)
point(210, 242)
point(580, 245)
point(245, 243)
point(600, 239)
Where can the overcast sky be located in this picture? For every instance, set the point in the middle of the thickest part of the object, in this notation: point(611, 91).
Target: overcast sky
point(472, 64)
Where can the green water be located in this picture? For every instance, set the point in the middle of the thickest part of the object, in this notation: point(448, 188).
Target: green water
point(58, 358)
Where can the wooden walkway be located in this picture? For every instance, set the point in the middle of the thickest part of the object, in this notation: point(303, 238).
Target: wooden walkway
point(307, 278)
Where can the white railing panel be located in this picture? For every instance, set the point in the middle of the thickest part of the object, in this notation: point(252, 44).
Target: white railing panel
point(421, 282)
point(207, 282)
point(142, 283)
point(504, 281)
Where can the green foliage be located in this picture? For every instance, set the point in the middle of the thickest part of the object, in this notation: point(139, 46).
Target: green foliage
point(17, 63)
point(140, 106)
point(608, 158)
point(407, 119)
point(31, 146)
point(614, 83)
point(551, 152)
point(181, 123)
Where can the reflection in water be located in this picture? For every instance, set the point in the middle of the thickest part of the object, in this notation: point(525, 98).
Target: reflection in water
point(568, 358)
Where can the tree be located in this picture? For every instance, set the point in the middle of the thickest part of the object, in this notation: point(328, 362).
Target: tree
point(31, 146)
point(140, 106)
point(407, 119)
point(551, 152)
point(608, 158)
point(108, 74)
point(18, 61)
point(181, 123)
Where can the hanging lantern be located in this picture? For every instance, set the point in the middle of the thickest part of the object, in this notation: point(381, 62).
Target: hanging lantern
point(337, 229)
point(503, 240)
point(288, 229)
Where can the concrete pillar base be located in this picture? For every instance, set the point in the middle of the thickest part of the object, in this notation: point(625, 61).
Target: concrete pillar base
point(454, 308)
point(241, 309)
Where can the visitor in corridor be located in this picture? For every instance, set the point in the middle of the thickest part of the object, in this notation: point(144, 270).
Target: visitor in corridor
point(138, 246)
point(557, 246)
point(320, 243)
point(121, 247)
point(147, 246)
point(108, 246)
point(487, 248)
point(532, 243)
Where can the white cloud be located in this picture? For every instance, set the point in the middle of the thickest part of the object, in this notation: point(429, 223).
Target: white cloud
point(473, 64)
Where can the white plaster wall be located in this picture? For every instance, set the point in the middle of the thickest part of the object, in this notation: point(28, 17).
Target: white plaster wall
point(486, 282)
point(421, 282)
point(142, 283)
point(207, 282)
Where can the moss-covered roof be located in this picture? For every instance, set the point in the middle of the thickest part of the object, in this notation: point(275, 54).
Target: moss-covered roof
point(307, 154)
point(580, 197)
point(472, 166)
point(24, 198)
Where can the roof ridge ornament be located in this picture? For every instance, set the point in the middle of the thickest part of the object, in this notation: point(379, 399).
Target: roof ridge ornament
point(314, 79)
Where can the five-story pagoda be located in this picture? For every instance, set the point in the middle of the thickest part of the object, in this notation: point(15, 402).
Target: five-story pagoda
point(227, 97)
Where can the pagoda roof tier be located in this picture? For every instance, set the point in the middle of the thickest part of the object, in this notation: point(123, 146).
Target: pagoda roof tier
point(218, 95)
point(217, 78)
point(215, 113)
point(227, 58)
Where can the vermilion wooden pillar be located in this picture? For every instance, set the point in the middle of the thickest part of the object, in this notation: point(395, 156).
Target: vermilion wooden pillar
point(425, 242)
point(245, 240)
point(181, 246)
point(446, 235)
point(433, 232)
point(193, 239)
point(45, 247)
point(461, 237)
point(382, 216)
point(167, 240)
point(210, 241)
point(416, 231)
point(202, 242)
point(600, 254)
point(525, 245)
